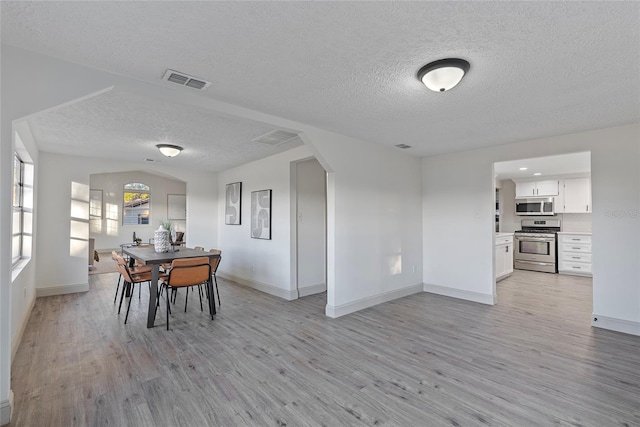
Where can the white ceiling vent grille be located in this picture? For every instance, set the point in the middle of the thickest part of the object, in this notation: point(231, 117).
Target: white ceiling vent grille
point(185, 80)
point(275, 137)
point(403, 146)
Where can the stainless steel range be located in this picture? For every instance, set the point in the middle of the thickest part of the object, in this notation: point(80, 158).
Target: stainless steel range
point(536, 245)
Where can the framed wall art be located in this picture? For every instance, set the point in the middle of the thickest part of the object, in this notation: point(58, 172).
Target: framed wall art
point(233, 204)
point(261, 214)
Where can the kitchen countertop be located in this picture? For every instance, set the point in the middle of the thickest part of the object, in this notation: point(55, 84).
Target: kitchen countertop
point(579, 233)
point(501, 234)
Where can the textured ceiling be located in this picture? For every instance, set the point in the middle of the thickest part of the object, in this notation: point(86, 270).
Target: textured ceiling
point(537, 68)
point(119, 125)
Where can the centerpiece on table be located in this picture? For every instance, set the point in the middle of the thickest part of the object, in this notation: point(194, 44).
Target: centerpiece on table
point(162, 237)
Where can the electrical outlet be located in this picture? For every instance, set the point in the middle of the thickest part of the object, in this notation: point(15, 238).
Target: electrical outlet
point(413, 269)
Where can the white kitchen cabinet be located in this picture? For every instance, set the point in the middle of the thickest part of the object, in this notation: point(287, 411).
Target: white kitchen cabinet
point(577, 195)
point(574, 254)
point(504, 256)
point(537, 188)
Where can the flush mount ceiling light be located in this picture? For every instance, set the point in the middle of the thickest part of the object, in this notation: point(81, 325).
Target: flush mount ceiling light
point(169, 150)
point(443, 74)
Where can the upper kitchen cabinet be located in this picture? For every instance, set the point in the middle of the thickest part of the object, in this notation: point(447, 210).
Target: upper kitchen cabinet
point(537, 188)
point(577, 195)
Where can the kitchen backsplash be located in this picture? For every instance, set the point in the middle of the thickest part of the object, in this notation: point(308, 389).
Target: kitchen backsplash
point(576, 222)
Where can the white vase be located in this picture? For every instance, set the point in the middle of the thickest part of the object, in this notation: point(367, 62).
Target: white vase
point(161, 240)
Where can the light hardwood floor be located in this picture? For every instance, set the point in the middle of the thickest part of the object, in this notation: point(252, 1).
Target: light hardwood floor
point(423, 360)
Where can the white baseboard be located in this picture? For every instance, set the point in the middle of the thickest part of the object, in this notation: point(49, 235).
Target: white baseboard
point(613, 324)
point(5, 409)
point(17, 339)
point(352, 307)
point(61, 290)
point(262, 287)
point(460, 294)
point(311, 290)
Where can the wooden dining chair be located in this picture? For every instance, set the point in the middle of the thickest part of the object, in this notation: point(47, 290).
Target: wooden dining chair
point(198, 248)
point(130, 279)
point(185, 273)
point(215, 262)
point(135, 269)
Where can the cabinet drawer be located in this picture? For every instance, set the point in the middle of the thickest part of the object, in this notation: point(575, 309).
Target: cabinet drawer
point(576, 257)
point(576, 267)
point(572, 238)
point(576, 247)
point(504, 240)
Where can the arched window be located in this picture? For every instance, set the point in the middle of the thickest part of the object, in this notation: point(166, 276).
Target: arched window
point(136, 204)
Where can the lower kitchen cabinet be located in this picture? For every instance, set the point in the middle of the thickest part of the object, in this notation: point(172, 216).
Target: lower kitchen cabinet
point(574, 254)
point(504, 256)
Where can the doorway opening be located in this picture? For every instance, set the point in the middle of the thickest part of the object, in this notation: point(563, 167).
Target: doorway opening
point(543, 231)
point(309, 229)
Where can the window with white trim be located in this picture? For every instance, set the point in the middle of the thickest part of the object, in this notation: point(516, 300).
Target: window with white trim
point(136, 204)
point(22, 210)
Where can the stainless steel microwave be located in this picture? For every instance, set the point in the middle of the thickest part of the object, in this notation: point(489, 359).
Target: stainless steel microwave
point(537, 206)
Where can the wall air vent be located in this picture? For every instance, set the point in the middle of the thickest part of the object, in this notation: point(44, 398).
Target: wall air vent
point(185, 80)
point(403, 146)
point(275, 137)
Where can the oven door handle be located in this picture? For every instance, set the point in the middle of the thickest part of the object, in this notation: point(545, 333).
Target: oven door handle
point(536, 239)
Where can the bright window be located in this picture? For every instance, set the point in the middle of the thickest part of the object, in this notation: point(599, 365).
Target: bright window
point(136, 204)
point(22, 211)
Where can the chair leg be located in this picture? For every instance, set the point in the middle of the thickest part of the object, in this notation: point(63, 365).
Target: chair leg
point(167, 308)
point(200, 295)
point(124, 287)
point(133, 285)
point(139, 290)
point(185, 300)
point(217, 291)
point(117, 287)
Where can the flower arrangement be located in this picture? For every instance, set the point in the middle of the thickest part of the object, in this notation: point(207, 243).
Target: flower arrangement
point(166, 224)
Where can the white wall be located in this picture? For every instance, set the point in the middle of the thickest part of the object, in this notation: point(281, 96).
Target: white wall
point(310, 196)
point(458, 240)
point(262, 264)
point(112, 185)
point(374, 225)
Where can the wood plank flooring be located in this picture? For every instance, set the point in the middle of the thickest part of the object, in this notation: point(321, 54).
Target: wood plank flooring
point(423, 360)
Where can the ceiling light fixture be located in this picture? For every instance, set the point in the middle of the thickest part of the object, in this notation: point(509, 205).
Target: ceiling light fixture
point(169, 150)
point(443, 74)
point(537, 174)
point(523, 169)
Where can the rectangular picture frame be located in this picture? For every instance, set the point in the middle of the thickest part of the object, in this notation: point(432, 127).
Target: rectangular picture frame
point(261, 214)
point(233, 204)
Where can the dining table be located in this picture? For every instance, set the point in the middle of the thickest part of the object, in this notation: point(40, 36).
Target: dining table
point(147, 255)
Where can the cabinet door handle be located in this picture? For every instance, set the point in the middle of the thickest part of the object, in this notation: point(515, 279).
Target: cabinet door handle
point(575, 257)
point(576, 240)
point(506, 249)
point(587, 208)
point(576, 248)
point(577, 268)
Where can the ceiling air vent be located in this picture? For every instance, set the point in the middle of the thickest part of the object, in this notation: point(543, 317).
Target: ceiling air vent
point(185, 80)
point(403, 146)
point(275, 137)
